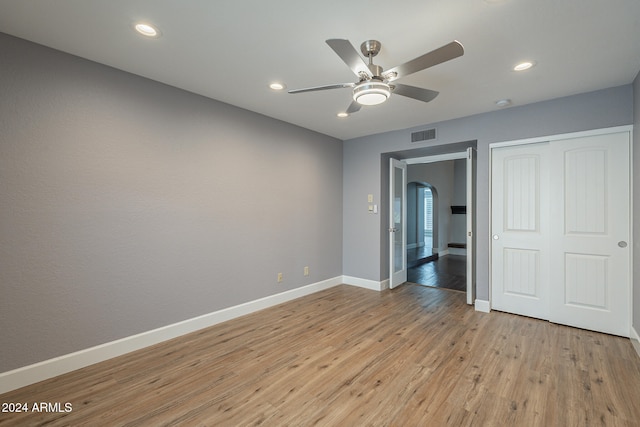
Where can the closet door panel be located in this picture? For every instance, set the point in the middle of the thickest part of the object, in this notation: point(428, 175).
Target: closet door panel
point(590, 245)
point(520, 230)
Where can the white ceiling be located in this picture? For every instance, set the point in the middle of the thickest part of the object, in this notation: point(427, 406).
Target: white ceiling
point(230, 50)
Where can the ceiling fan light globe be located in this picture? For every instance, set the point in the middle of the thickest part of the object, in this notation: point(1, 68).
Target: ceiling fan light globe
point(370, 98)
point(371, 93)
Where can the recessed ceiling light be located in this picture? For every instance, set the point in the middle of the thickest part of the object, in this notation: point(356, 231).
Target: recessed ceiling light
point(342, 115)
point(524, 66)
point(147, 30)
point(276, 86)
point(503, 103)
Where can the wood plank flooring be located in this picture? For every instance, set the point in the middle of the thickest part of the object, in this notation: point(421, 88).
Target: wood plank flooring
point(449, 271)
point(412, 356)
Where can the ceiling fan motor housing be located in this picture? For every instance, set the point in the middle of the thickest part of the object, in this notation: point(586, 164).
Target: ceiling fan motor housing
point(376, 70)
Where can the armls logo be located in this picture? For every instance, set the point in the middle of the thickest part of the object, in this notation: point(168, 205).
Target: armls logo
point(52, 407)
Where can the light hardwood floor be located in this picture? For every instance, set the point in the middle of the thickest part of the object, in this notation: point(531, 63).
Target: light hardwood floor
point(412, 356)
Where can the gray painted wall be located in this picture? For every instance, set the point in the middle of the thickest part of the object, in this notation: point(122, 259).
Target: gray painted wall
point(636, 203)
point(127, 205)
point(365, 240)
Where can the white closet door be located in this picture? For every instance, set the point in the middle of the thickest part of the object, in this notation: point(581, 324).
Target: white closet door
point(590, 257)
point(520, 230)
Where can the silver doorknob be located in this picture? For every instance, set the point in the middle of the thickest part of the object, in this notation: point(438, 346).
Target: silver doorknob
point(622, 244)
point(496, 237)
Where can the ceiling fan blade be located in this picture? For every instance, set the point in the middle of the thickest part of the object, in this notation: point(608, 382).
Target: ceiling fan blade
point(353, 108)
point(418, 93)
point(435, 57)
point(350, 56)
point(325, 87)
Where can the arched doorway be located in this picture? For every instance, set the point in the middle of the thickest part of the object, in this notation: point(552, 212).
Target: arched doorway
point(422, 223)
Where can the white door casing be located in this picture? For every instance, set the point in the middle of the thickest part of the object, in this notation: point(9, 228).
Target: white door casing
point(471, 225)
point(397, 223)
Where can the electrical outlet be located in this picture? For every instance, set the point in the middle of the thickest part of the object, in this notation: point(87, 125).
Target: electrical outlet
point(306, 271)
point(279, 277)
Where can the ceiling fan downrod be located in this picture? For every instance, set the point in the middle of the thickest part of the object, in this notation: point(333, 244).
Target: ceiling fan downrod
point(371, 48)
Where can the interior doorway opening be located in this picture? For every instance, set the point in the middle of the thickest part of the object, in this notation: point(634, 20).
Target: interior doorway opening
point(437, 224)
point(394, 196)
point(422, 223)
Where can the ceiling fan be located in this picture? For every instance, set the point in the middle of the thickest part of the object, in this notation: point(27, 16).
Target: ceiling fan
point(375, 85)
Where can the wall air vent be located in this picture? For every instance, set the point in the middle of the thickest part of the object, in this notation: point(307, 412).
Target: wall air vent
point(423, 135)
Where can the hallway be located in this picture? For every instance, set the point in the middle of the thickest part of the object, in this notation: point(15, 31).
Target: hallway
point(447, 272)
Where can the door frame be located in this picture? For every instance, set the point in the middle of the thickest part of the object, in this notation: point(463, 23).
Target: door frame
point(471, 218)
point(551, 138)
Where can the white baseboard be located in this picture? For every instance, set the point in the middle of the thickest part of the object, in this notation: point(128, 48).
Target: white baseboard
point(635, 340)
point(457, 251)
point(365, 283)
point(40, 371)
point(482, 305)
